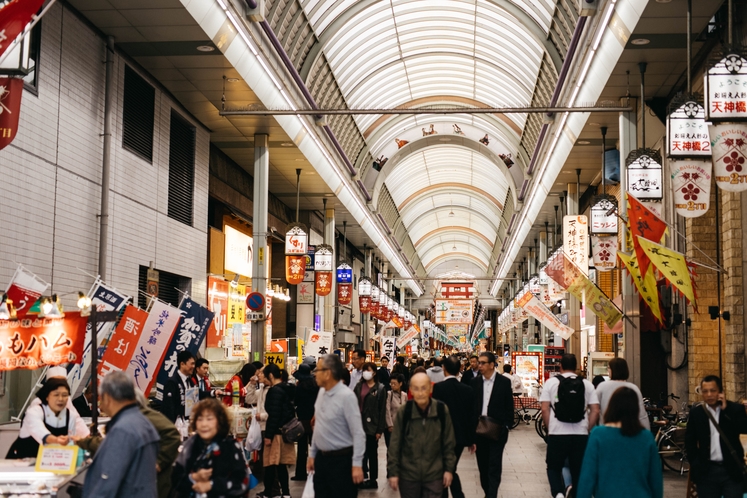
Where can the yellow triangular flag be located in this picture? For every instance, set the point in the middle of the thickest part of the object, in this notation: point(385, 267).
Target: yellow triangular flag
point(672, 266)
point(646, 285)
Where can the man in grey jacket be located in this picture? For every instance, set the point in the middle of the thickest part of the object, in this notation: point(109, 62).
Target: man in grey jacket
point(125, 464)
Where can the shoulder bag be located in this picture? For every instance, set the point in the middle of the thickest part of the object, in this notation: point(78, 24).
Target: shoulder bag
point(729, 447)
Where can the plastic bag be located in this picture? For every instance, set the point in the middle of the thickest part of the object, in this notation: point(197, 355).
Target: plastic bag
point(254, 437)
point(308, 490)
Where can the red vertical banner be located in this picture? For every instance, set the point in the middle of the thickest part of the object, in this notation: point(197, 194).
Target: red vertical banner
point(344, 293)
point(11, 90)
point(218, 304)
point(122, 344)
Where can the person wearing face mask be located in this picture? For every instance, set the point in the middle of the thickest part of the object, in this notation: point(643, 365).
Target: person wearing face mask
point(371, 398)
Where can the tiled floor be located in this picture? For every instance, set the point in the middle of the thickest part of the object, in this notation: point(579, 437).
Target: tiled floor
point(523, 472)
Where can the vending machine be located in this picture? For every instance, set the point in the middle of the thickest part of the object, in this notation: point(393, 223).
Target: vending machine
point(597, 365)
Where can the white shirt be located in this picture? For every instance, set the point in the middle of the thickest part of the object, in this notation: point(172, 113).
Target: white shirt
point(516, 385)
point(184, 378)
point(716, 455)
point(37, 414)
point(487, 390)
point(550, 394)
point(355, 376)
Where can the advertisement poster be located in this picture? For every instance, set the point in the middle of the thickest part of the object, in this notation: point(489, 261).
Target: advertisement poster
point(31, 344)
point(238, 253)
point(236, 305)
point(318, 344)
point(528, 366)
point(218, 304)
point(454, 311)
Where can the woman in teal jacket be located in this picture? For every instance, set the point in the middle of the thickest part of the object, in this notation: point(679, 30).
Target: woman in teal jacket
point(621, 458)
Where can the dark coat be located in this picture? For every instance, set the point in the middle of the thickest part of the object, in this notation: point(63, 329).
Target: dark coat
point(460, 399)
point(373, 411)
point(279, 410)
point(733, 421)
point(306, 393)
point(468, 376)
point(382, 376)
point(226, 458)
point(172, 405)
point(125, 464)
point(501, 404)
point(81, 405)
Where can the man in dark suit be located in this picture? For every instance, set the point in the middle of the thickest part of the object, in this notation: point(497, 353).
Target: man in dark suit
point(383, 375)
point(460, 399)
point(201, 380)
point(712, 466)
point(472, 372)
point(175, 390)
point(83, 403)
point(494, 399)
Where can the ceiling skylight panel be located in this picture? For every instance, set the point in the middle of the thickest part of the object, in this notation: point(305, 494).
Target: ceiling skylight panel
point(540, 10)
point(323, 19)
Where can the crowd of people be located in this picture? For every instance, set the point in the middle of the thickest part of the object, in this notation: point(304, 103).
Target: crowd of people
point(428, 412)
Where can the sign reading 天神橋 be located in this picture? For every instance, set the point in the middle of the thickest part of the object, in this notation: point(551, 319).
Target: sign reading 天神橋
point(687, 131)
point(726, 88)
point(576, 241)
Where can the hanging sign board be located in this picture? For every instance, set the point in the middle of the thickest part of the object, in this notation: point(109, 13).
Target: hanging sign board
point(34, 343)
point(645, 174)
point(726, 89)
point(604, 216)
point(319, 344)
point(454, 311)
point(729, 143)
point(691, 184)
point(576, 241)
point(687, 132)
point(604, 252)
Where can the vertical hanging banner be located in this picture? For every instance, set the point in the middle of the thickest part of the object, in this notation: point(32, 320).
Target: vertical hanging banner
point(646, 285)
point(603, 250)
point(691, 184)
point(389, 349)
point(295, 253)
point(576, 241)
point(149, 351)
point(11, 90)
point(24, 290)
point(189, 335)
point(729, 144)
point(218, 304)
point(236, 305)
point(123, 341)
point(105, 299)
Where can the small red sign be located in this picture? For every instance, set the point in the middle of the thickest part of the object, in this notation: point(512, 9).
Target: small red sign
point(13, 20)
point(11, 90)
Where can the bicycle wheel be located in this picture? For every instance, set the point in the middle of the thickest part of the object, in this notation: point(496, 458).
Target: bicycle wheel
point(529, 414)
point(517, 419)
point(539, 426)
point(672, 453)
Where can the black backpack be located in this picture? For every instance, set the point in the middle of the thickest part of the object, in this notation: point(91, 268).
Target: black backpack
point(571, 404)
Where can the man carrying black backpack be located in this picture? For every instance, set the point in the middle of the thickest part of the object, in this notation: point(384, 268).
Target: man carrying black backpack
point(569, 408)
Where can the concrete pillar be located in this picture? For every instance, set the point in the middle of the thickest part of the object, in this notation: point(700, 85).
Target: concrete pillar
point(330, 301)
point(260, 263)
point(574, 306)
point(631, 325)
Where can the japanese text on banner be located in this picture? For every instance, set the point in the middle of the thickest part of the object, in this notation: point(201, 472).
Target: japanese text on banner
point(29, 344)
point(122, 345)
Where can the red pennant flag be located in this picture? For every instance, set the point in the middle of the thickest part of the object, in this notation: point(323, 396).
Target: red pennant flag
point(644, 223)
point(13, 19)
point(11, 90)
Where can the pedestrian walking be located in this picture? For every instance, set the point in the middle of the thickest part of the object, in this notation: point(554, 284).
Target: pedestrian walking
point(357, 359)
point(472, 372)
point(436, 372)
point(125, 464)
point(421, 459)
point(337, 447)
point(211, 462)
point(460, 399)
point(306, 393)
point(372, 402)
point(712, 442)
point(635, 469)
point(618, 372)
point(516, 385)
point(395, 398)
point(569, 408)
point(382, 374)
point(277, 453)
point(178, 387)
point(494, 414)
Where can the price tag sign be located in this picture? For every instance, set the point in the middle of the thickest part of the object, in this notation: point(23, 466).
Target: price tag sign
point(57, 459)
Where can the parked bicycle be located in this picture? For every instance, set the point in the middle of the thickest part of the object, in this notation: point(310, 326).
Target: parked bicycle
point(670, 437)
point(524, 413)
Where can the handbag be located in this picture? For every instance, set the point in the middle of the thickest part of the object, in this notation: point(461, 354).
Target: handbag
point(489, 428)
point(292, 431)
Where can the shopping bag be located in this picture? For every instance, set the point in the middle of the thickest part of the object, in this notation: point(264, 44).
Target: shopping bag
point(254, 437)
point(308, 490)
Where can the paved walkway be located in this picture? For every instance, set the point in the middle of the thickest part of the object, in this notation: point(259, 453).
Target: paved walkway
point(523, 472)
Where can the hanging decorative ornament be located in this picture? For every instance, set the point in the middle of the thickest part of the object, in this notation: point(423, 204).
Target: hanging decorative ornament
point(364, 294)
point(323, 261)
point(691, 184)
point(344, 284)
point(729, 144)
point(603, 215)
point(295, 253)
point(604, 252)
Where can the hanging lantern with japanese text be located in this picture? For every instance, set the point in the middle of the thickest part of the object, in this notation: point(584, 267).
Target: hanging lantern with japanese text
point(603, 215)
point(644, 174)
point(295, 253)
point(364, 294)
point(408, 320)
point(604, 252)
point(373, 309)
point(344, 284)
point(725, 87)
point(323, 262)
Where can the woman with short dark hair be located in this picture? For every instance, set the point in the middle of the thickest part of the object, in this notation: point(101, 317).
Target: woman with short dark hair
point(618, 372)
point(621, 457)
point(211, 462)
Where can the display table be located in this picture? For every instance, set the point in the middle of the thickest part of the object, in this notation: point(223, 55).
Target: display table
point(19, 478)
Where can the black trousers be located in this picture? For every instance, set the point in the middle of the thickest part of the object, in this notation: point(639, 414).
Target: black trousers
point(333, 477)
point(717, 483)
point(560, 448)
point(456, 484)
point(490, 463)
point(303, 449)
point(371, 457)
point(276, 480)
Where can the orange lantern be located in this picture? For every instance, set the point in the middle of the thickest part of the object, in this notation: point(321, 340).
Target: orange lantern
point(344, 293)
point(295, 253)
point(364, 302)
point(295, 268)
point(323, 283)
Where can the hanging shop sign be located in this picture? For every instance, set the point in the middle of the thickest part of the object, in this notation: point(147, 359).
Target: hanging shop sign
point(218, 304)
point(454, 311)
point(691, 185)
point(35, 343)
point(604, 215)
point(189, 335)
point(24, 290)
point(729, 144)
point(236, 305)
point(11, 90)
point(150, 348)
point(323, 283)
point(534, 307)
point(725, 88)
point(374, 306)
point(323, 258)
point(687, 131)
point(534, 286)
point(603, 251)
point(295, 269)
point(344, 274)
point(576, 241)
point(408, 318)
point(644, 174)
point(389, 349)
point(319, 344)
point(344, 294)
point(364, 294)
point(295, 253)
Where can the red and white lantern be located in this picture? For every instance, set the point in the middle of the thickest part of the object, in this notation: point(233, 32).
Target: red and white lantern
point(295, 253)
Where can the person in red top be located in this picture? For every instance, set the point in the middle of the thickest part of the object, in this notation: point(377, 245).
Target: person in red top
point(240, 379)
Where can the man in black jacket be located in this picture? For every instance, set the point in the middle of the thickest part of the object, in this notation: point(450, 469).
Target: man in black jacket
point(175, 390)
point(472, 372)
point(495, 400)
point(306, 393)
point(460, 399)
point(383, 375)
point(716, 471)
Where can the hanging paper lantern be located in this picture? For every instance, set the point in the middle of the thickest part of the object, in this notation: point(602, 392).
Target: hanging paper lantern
point(364, 294)
point(408, 321)
point(295, 253)
point(344, 294)
point(374, 306)
point(323, 260)
point(691, 184)
point(729, 144)
point(645, 174)
point(604, 252)
point(603, 215)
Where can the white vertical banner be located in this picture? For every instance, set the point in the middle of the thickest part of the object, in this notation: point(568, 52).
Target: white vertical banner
point(576, 241)
point(691, 184)
point(389, 349)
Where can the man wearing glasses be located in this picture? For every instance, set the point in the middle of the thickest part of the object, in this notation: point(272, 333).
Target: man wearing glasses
point(338, 443)
point(494, 403)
